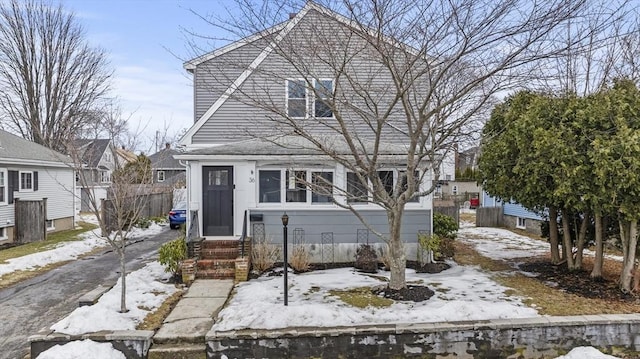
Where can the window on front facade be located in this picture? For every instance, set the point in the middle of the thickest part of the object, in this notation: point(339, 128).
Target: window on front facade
point(296, 99)
point(356, 190)
point(160, 176)
point(522, 223)
point(324, 93)
point(26, 181)
point(322, 183)
point(386, 177)
point(3, 186)
point(296, 186)
point(269, 186)
point(105, 176)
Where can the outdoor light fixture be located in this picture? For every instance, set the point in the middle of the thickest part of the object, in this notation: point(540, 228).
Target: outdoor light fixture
point(285, 264)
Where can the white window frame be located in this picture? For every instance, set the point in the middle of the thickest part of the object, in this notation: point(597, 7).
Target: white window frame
point(163, 176)
point(51, 224)
point(20, 188)
point(4, 186)
point(520, 225)
point(333, 89)
point(284, 186)
point(306, 98)
point(3, 233)
point(105, 175)
point(396, 178)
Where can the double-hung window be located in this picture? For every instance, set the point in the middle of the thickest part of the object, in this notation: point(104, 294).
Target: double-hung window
point(323, 94)
point(322, 187)
point(296, 186)
point(296, 98)
point(160, 176)
point(299, 186)
point(26, 181)
point(356, 189)
point(299, 96)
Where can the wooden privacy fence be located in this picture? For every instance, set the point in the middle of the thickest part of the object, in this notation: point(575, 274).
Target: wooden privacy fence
point(30, 221)
point(451, 211)
point(134, 208)
point(489, 217)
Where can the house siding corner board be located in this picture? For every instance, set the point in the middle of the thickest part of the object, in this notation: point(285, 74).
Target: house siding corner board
point(343, 230)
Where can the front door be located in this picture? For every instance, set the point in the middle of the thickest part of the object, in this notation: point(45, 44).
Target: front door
point(217, 199)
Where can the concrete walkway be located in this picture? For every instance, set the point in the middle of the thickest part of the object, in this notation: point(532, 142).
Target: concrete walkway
point(193, 316)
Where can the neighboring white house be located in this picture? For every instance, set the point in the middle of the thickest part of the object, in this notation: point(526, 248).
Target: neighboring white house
point(244, 173)
point(31, 172)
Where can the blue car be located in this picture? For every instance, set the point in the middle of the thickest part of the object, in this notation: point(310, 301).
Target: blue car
point(178, 215)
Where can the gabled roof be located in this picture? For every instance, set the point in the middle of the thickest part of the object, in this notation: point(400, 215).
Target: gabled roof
point(17, 149)
point(278, 32)
point(163, 159)
point(91, 150)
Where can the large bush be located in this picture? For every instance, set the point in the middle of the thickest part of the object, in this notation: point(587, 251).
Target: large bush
point(172, 253)
point(444, 226)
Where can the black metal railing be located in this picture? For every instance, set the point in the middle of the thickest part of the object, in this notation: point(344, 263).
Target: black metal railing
point(243, 237)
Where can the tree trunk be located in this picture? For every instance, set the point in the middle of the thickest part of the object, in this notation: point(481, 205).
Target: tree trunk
point(123, 276)
point(553, 235)
point(582, 237)
point(566, 239)
point(628, 236)
point(598, 260)
point(397, 256)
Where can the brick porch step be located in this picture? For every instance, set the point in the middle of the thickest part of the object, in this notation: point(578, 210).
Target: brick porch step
point(208, 264)
point(219, 253)
point(223, 243)
point(216, 274)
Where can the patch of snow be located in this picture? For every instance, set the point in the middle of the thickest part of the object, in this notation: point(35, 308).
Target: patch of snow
point(461, 293)
point(82, 350)
point(144, 290)
point(586, 353)
point(498, 243)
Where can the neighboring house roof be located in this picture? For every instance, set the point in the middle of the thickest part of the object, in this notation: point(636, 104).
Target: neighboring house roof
point(125, 155)
point(91, 150)
point(17, 149)
point(163, 160)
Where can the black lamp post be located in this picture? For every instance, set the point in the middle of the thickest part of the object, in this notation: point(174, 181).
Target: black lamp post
point(285, 223)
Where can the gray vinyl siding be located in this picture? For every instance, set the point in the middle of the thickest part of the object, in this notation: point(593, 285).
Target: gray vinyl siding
point(238, 118)
point(341, 223)
point(213, 77)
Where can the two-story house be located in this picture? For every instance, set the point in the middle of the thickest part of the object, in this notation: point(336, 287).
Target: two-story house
point(31, 172)
point(245, 168)
point(166, 169)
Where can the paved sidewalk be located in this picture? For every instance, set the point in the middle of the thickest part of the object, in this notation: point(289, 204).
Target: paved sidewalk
point(192, 317)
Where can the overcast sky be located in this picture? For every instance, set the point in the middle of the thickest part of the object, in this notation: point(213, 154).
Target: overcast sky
point(147, 47)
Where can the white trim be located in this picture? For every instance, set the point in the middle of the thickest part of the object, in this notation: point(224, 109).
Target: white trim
point(284, 181)
point(187, 138)
point(52, 226)
point(524, 223)
point(158, 176)
point(5, 178)
point(313, 103)
point(20, 188)
point(4, 233)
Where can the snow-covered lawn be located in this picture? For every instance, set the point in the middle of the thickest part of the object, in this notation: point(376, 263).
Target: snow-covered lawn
point(66, 251)
point(461, 293)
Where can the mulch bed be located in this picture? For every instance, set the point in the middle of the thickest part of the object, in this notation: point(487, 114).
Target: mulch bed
point(576, 282)
point(414, 293)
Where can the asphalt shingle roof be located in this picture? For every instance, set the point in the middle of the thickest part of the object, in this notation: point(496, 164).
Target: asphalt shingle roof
point(14, 147)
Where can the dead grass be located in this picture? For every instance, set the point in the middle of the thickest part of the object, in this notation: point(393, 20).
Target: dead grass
point(547, 300)
point(153, 320)
point(468, 217)
point(12, 278)
point(361, 297)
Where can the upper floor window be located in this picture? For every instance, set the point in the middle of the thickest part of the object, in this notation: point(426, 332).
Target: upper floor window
point(299, 96)
point(296, 99)
point(324, 93)
point(26, 181)
point(105, 176)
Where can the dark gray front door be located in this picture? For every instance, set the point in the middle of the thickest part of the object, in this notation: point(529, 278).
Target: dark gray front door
point(217, 199)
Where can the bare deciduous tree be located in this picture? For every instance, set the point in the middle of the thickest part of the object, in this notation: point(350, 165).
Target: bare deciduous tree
point(411, 79)
point(51, 79)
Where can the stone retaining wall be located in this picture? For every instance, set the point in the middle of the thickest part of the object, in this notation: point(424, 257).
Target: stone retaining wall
point(502, 338)
point(134, 344)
